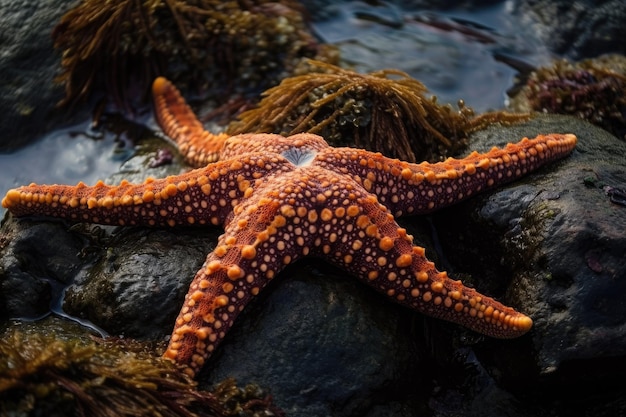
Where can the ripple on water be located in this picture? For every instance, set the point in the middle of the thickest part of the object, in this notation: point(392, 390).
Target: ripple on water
point(456, 53)
point(65, 156)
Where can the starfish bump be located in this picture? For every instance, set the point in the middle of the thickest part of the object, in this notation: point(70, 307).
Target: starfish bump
point(280, 199)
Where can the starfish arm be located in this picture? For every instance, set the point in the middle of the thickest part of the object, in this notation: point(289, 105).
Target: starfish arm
point(198, 146)
point(407, 188)
point(219, 291)
point(378, 251)
point(256, 245)
point(201, 196)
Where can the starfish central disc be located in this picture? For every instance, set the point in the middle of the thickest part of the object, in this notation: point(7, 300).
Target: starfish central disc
point(299, 157)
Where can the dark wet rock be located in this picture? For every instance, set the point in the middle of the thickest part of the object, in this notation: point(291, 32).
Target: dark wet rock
point(325, 344)
point(561, 240)
point(581, 29)
point(141, 165)
point(28, 65)
point(37, 259)
point(139, 282)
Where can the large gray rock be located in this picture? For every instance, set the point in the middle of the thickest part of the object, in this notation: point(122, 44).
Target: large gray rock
point(561, 240)
point(322, 353)
point(139, 281)
point(28, 66)
point(577, 30)
point(37, 260)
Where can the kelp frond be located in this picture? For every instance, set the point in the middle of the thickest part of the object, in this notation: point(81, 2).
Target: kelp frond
point(102, 42)
point(121, 46)
point(383, 111)
point(57, 376)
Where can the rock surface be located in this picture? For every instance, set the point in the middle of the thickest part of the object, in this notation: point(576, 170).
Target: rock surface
point(561, 239)
point(28, 66)
point(576, 30)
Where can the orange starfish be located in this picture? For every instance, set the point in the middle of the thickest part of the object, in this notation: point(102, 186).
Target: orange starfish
point(283, 198)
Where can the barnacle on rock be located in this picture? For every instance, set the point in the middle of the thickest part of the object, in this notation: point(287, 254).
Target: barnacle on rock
point(593, 90)
point(121, 46)
point(384, 111)
point(69, 375)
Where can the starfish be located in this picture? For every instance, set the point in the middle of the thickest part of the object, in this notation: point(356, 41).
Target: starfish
point(280, 199)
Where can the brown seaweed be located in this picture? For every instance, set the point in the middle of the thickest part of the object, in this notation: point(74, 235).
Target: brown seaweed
point(384, 111)
point(57, 375)
point(222, 46)
point(592, 89)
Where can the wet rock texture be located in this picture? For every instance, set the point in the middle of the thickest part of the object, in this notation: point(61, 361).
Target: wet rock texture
point(581, 29)
point(560, 237)
point(28, 65)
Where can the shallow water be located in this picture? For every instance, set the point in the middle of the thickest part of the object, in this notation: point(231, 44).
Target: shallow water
point(65, 156)
point(455, 54)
